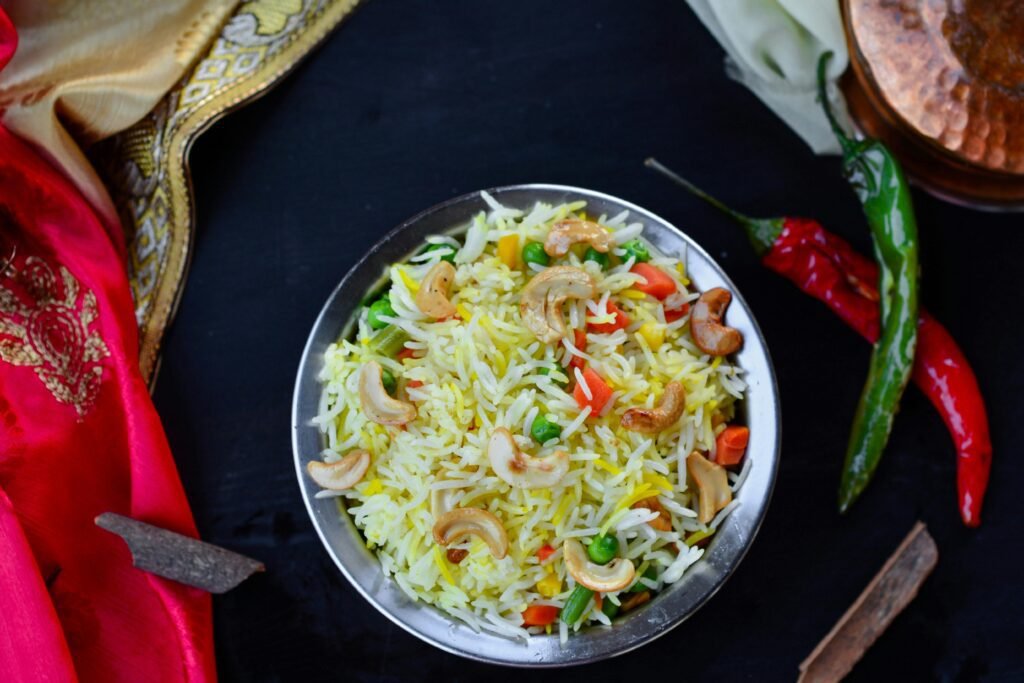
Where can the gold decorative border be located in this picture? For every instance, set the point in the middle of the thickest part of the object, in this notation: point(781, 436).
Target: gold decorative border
point(147, 168)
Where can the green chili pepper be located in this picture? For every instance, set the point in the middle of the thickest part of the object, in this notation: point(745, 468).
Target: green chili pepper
point(378, 308)
point(638, 250)
point(597, 257)
point(574, 607)
point(543, 429)
point(603, 548)
point(878, 180)
point(557, 374)
point(449, 256)
point(533, 252)
point(389, 341)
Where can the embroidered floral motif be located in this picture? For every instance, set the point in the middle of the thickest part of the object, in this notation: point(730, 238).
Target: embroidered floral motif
point(45, 324)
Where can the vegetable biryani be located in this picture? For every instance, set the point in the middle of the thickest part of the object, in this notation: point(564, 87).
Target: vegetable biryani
point(533, 426)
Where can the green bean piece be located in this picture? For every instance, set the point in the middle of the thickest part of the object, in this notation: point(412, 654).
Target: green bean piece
point(603, 549)
point(878, 180)
point(637, 250)
point(600, 258)
point(378, 308)
point(610, 609)
point(576, 604)
point(389, 341)
point(533, 252)
point(449, 257)
point(543, 430)
point(651, 574)
point(387, 378)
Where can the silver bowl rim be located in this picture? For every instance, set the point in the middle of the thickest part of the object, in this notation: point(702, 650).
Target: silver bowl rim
point(738, 555)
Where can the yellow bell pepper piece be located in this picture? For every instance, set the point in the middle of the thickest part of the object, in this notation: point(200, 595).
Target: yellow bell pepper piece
point(508, 250)
point(550, 585)
point(654, 334)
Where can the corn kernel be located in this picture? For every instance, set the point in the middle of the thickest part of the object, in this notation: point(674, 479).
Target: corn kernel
point(550, 585)
point(508, 250)
point(654, 334)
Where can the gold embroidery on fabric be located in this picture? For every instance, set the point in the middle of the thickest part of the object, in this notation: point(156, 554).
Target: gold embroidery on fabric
point(45, 324)
point(147, 165)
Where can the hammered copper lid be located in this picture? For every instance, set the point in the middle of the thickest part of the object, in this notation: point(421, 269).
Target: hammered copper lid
point(949, 76)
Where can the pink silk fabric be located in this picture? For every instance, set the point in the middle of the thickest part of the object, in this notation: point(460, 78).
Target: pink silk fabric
point(78, 437)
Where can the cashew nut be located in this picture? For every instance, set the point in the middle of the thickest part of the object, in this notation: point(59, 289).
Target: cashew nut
point(521, 470)
point(653, 420)
point(440, 502)
point(663, 522)
point(340, 475)
point(603, 578)
point(541, 302)
point(709, 334)
point(432, 297)
point(564, 234)
point(377, 405)
point(461, 522)
point(713, 492)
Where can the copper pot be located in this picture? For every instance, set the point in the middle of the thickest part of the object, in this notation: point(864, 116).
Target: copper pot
point(942, 82)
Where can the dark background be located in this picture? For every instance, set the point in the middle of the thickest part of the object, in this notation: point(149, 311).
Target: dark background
point(409, 104)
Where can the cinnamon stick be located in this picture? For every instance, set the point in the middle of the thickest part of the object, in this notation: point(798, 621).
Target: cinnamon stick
point(889, 592)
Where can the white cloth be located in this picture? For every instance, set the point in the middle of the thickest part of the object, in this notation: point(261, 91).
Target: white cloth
point(773, 48)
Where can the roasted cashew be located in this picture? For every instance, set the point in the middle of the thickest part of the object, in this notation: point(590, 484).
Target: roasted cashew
point(461, 522)
point(340, 475)
point(713, 492)
point(521, 470)
point(541, 302)
point(603, 578)
point(663, 522)
point(432, 297)
point(709, 334)
point(377, 405)
point(653, 420)
point(564, 234)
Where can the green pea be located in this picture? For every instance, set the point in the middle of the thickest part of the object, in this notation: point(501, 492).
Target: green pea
point(651, 575)
point(601, 259)
point(557, 374)
point(577, 603)
point(449, 257)
point(610, 609)
point(534, 252)
point(377, 309)
point(637, 250)
point(543, 430)
point(603, 548)
point(389, 381)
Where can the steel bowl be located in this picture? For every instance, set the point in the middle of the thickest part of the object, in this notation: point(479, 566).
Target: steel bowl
point(668, 609)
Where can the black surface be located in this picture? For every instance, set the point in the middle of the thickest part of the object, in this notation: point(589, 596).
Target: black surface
point(410, 104)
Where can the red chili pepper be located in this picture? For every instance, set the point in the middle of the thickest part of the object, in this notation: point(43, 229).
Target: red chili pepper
point(827, 267)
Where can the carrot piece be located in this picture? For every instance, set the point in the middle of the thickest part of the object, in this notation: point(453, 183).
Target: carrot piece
point(406, 352)
point(621, 320)
point(730, 445)
point(674, 314)
point(579, 340)
point(539, 615)
point(599, 391)
point(659, 285)
point(544, 552)
point(413, 384)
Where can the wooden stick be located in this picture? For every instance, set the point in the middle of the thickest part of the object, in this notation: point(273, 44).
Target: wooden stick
point(889, 592)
